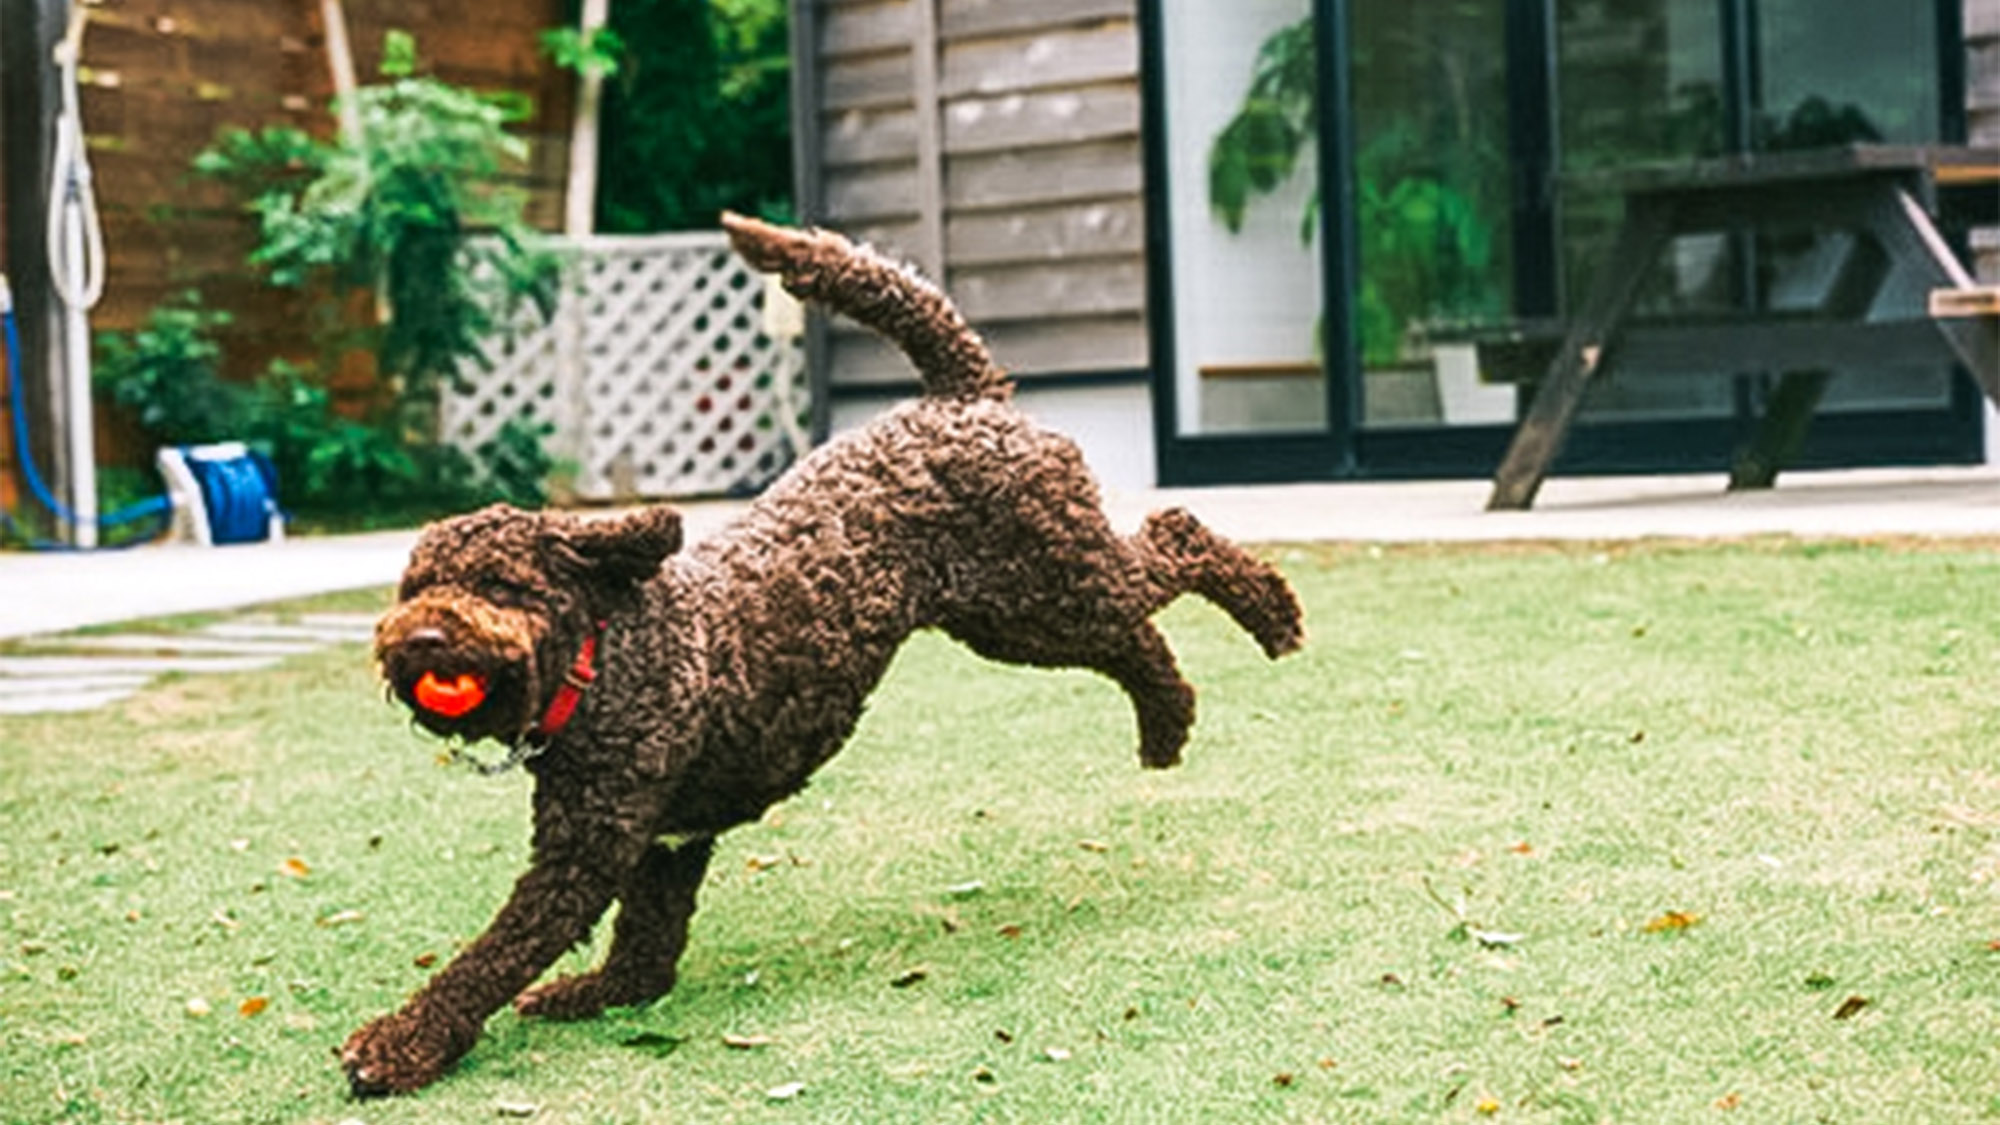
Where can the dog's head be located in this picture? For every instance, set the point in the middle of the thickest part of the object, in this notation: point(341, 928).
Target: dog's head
point(495, 605)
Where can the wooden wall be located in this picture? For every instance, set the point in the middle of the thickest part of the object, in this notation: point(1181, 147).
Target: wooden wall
point(1982, 105)
point(163, 76)
point(995, 143)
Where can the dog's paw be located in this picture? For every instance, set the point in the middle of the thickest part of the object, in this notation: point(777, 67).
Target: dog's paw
point(586, 995)
point(400, 1053)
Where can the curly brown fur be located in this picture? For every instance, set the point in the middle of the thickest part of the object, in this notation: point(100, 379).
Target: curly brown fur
point(727, 674)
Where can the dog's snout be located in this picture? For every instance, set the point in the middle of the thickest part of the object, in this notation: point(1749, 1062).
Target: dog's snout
point(429, 636)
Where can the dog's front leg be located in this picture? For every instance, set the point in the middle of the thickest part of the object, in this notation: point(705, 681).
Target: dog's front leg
point(654, 910)
point(584, 849)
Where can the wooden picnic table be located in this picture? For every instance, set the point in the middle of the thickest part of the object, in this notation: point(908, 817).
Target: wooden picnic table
point(1890, 193)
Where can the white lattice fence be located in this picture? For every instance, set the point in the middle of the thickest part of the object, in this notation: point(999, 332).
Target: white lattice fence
point(656, 372)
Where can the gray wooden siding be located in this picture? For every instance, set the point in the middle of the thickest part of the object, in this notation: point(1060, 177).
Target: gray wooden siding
point(996, 144)
point(1982, 105)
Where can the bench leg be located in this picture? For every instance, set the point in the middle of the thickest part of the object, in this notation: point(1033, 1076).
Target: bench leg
point(1903, 226)
point(1789, 412)
point(1782, 433)
point(1646, 229)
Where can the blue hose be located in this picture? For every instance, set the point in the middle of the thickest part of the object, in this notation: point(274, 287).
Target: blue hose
point(154, 506)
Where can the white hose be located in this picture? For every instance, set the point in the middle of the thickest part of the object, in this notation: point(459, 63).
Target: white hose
point(76, 266)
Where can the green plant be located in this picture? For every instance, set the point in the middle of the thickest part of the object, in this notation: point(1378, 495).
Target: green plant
point(595, 55)
point(166, 373)
point(411, 214)
point(410, 220)
point(1258, 151)
point(698, 117)
point(515, 465)
point(1426, 247)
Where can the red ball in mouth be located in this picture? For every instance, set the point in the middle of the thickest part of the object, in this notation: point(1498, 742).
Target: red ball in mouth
point(451, 698)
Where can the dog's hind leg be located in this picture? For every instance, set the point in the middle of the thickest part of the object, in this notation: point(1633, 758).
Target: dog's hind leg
point(1182, 556)
point(646, 944)
point(1134, 656)
point(1144, 667)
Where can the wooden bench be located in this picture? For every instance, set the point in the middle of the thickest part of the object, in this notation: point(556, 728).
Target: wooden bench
point(1887, 193)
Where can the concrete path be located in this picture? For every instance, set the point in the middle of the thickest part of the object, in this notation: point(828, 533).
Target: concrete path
point(1857, 502)
point(45, 593)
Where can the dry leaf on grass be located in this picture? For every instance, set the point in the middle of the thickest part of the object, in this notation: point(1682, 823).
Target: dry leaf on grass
point(1672, 921)
point(252, 1005)
point(294, 868)
point(747, 1042)
point(1850, 1007)
point(786, 1092)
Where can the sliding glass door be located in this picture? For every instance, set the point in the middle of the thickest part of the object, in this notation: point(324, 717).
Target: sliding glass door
point(1473, 145)
point(1245, 376)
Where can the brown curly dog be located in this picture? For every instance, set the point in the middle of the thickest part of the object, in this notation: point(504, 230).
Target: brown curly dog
point(678, 695)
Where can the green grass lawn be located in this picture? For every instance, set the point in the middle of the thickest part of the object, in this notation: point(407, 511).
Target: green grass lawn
point(1652, 834)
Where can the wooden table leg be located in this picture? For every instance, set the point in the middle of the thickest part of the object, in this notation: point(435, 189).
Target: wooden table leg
point(1647, 227)
point(1909, 235)
point(1788, 414)
point(1787, 417)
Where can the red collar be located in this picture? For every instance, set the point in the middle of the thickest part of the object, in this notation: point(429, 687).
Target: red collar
point(579, 676)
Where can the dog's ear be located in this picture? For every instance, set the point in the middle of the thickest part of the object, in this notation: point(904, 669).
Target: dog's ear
point(627, 548)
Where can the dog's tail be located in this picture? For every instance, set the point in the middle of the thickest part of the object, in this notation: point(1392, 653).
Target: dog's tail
point(887, 296)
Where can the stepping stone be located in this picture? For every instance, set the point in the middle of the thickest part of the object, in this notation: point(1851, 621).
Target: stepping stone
point(318, 634)
point(16, 686)
point(275, 631)
point(166, 643)
point(342, 620)
point(52, 666)
point(62, 701)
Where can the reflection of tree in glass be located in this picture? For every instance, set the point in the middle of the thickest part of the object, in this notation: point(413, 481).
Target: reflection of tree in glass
point(1430, 179)
point(1816, 123)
